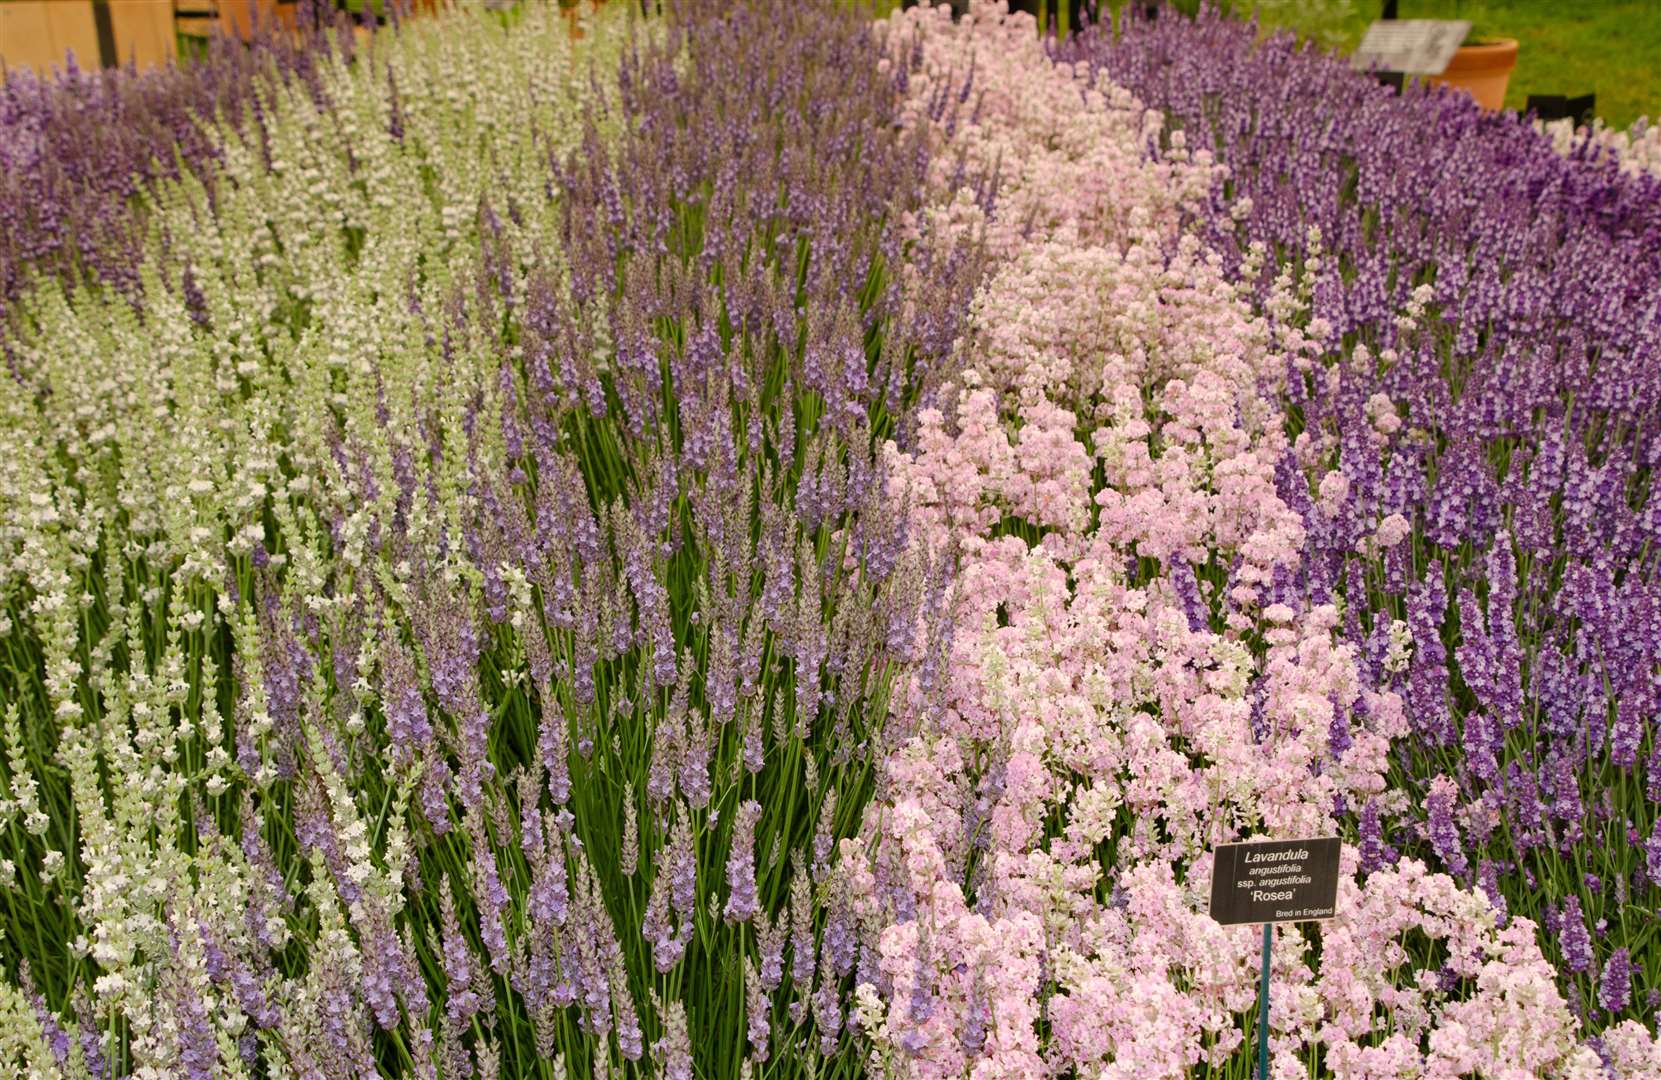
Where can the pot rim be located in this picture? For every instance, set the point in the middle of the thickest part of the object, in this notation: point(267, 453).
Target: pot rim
point(1486, 57)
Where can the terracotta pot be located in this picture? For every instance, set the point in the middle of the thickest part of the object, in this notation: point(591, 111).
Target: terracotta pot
point(1481, 71)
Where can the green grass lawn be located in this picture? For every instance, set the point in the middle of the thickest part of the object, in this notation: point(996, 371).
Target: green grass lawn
point(1608, 47)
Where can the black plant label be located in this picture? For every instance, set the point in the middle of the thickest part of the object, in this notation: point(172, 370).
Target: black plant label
point(1270, 881)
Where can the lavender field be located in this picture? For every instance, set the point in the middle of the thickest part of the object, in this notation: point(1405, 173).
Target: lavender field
point(753, 541)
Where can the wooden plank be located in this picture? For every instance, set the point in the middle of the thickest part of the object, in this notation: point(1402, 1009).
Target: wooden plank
point(26, 36)
point(73, 29)
point(143, 31)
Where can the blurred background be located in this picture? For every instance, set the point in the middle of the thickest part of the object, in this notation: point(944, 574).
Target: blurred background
point(1610, 48)
point(1567, 48)
point(39, 34)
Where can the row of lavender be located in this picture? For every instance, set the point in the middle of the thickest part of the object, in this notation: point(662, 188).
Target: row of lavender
point(1637, 150)
point(669, 558)
point(1473, 463)
point(450, 595)
point(1151, 653)
point(75, 148)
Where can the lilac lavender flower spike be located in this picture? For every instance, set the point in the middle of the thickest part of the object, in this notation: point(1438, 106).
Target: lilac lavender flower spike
point(1573, 939)
point(758, 1026)
point(741, 868)
point(1440, 804)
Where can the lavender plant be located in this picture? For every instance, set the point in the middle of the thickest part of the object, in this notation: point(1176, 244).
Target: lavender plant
point(185, 422)
point(1475, 436)
point(451, 591)
point(758, 545)
point(77, 148)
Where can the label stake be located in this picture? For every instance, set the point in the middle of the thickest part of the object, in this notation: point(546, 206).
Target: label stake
point(1263, 1007)
point(1263, 882)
